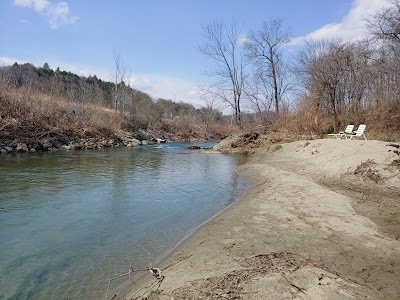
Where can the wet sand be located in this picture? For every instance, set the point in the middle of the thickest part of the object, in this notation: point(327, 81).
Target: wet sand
point(320, 221)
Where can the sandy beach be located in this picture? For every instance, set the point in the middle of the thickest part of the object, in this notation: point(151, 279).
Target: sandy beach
point(320, 221)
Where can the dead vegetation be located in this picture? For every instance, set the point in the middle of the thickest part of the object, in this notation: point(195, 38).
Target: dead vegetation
point(396, 162)
point(234, 285)
point(368, 171)
point(248, 142)
point(155, 272)
point(250, 139)
point(28, 115)
point(231, 285)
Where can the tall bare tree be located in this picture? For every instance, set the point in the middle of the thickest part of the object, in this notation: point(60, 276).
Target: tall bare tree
point(337, 77)
point(222, 46)
point(264, 47)
point(385, 24)
point(385, 29)
point(258, 92)
point(120, 77)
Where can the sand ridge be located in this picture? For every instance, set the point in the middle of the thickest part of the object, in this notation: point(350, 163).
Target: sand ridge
point(311, 227)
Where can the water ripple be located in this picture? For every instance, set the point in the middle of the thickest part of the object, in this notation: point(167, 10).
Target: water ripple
point(71, 220)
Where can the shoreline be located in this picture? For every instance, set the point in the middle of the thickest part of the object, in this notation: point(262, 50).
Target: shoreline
point(296, 232)
point(67, 143)
point(143, 279)
point(164, 256)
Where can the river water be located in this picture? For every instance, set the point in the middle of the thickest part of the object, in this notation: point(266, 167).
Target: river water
point(69, 221)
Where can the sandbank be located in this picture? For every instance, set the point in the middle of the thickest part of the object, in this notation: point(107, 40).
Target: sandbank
point(320, 221)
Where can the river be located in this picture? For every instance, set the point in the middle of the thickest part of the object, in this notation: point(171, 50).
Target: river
point(70, 220)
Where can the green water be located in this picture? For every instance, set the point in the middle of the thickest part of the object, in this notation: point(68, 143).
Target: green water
point(69, 221)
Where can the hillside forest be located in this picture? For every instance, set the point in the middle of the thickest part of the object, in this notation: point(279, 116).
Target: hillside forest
point(273, 95)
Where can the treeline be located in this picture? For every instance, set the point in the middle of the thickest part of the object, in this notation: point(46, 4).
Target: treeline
point(355, 82)
point(326, 86)
point(56, 96)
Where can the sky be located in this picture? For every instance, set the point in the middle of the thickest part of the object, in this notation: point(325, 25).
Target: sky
point(158, 39)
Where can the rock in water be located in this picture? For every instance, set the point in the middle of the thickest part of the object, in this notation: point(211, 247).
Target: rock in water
point(194, 147)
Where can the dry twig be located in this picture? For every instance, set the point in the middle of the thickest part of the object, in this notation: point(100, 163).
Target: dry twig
point(156, 272)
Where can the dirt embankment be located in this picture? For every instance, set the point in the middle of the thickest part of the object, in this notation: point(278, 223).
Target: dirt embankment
point(321, 221)
point(31, 121)
point(34, 139)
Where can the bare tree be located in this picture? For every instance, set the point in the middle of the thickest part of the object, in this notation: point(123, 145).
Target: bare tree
point(222, 46)
point(385, 29)
point(259, 94)
point(120, 77)
point(385, 24)
point(264, 48)
point(337, 77)
point(210, 111)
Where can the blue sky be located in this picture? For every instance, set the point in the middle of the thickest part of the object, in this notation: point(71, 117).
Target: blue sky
point(157, 39)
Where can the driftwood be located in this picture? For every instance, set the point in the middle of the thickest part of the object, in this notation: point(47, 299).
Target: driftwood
point(156, 272)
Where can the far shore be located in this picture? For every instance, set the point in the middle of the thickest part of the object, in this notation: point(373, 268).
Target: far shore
point(321, 221)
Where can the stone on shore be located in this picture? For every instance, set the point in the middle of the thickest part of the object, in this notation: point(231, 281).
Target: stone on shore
point(22, 147)
point(47, 145)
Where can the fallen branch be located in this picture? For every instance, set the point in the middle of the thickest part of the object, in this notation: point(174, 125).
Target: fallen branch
point(276, 253)
point(156, 272)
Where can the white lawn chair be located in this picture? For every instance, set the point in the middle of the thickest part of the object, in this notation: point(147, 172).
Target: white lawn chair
point(359, 133)
point(343, 134)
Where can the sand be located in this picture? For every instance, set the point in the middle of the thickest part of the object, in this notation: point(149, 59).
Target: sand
point(320, 221)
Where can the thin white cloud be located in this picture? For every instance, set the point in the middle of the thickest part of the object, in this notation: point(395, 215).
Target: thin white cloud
point(57, 13)
point(7, 61)
point(167, 87)
point(352, 26)
point(157, 86)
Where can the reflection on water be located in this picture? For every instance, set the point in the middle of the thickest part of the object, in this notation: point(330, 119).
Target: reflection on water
point(71, 220)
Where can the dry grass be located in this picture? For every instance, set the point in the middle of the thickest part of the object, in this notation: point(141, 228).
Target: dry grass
point(223, 130)
point(308, 123)
point(25, 113)
point(276, 148)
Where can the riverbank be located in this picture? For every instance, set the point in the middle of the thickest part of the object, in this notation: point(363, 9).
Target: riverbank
point(321, 221)
point(55, 141)
point(33, 121)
